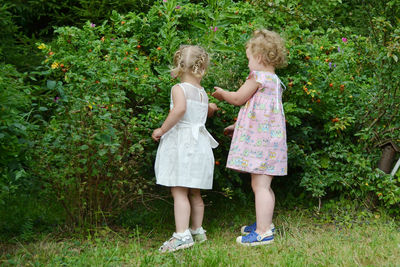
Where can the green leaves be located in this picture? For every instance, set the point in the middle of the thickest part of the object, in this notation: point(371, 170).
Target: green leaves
point(198, 25)
point(15, 132)
point(83, 147)
point(104, 86)
point(51, 84)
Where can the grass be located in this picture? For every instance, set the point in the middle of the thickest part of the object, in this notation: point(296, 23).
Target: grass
point(337, 236)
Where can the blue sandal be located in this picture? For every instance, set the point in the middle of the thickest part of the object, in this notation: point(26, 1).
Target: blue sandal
point(247, 229)
point(254, 239)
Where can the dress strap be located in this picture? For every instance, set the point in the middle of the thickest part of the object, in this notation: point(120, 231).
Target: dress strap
point(171, 101)
point(183, 88)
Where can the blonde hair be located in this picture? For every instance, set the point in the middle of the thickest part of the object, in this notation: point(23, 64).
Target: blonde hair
point(270, 46)
point(190, 58)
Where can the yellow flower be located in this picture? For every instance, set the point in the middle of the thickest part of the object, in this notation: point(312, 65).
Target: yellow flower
point(54, 65)
point(366, 184)
point(309, 83)
point(42, 46)
point(90, 105)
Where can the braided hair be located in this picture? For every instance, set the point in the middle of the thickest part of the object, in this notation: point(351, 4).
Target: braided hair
point(190, 58)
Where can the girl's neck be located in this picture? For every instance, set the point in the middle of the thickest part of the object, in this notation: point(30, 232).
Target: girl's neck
point(267, 69)
point(190, 78)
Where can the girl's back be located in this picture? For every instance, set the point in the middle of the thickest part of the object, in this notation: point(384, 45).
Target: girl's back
point(196, 104)
point(185, 160)
point(184, 156)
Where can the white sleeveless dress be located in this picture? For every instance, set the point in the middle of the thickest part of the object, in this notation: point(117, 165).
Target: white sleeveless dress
point(184, 156)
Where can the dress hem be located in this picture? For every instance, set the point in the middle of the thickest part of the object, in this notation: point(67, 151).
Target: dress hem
point(246, 171)
point(170, 185)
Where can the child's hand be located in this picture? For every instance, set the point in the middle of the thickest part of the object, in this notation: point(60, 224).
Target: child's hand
point(157, 133)
point(229, 130)
point(212, 108)
point(218, 94)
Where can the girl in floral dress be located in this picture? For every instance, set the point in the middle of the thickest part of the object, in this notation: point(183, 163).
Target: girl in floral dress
point(259, 136)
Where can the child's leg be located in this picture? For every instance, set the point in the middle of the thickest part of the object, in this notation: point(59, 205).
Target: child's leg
point(181, 208)
point(197, 205)
point(265, 201)
point(273, 196)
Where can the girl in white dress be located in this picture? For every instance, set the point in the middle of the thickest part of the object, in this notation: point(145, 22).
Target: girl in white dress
point(185, 161)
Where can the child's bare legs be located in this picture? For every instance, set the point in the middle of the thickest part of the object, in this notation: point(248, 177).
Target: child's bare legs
point(265, 201)
point(273, 197)
point(181, 208)
point(197, 205)
point(182, 238)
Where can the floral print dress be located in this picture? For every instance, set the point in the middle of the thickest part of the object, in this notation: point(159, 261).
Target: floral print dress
point(259, 140)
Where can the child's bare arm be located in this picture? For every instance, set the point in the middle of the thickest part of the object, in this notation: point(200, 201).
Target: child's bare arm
point(174, 115)
point(212, 108)
point(229, 130)
point(238, 98)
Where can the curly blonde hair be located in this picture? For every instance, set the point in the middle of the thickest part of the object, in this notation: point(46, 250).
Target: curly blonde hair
point(270, 46)
point(190, 58)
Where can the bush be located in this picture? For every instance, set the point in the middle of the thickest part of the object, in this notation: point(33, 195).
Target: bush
point(38, 18)
point(107, 85)
point(8, 30)
point(15, 133)
point(89, 132)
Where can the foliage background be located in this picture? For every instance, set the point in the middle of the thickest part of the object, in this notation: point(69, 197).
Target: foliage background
point(82, 86)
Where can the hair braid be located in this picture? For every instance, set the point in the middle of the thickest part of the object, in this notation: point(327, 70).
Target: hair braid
point(190, 58)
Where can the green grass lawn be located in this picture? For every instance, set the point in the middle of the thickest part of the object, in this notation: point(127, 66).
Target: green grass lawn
point(342, 237)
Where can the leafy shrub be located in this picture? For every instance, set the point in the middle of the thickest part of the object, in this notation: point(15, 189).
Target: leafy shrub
point(39, 17)
point(7, 33)
point(23, 23)
point(106, 86)
point(90, 134)
point(14, 132)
